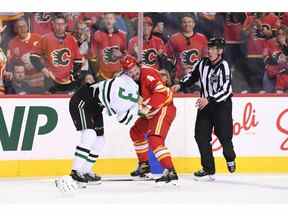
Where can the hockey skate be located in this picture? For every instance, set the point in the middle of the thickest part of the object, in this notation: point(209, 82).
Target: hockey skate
point(92, 178)
point(169, 176)
point(231, 166)
point(142, 171)
point(79, 178)
point(202, 175)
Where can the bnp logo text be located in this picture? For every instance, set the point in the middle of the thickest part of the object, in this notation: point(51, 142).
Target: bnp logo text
point(10, 138)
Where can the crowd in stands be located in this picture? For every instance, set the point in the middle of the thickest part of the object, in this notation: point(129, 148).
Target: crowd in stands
point(50, 53)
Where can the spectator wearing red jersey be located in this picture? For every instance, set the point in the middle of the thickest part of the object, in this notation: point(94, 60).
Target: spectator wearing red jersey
point(91, 19)
point(254, 67)
point(186, 47)
point(274, 47)
point(153, 47)
point(234, 52)
point(279, 72)
point(62, 59)
point(20, 48)
point(270, 23)
point(108, 46)
point(41, 22)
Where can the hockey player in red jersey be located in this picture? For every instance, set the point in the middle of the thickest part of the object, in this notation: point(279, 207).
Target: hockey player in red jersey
point(157, 113)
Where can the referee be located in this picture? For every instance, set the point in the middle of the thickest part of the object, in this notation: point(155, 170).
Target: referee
point(214, 107)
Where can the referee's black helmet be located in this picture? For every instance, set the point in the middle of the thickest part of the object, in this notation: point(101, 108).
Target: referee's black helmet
point(216, 42)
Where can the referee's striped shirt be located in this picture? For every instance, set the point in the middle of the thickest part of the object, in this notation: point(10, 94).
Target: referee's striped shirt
point(215, 79)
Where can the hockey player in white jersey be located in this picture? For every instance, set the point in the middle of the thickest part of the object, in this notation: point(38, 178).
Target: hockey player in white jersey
point(119, 96)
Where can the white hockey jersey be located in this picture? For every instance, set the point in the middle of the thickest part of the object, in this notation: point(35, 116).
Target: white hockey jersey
point(120, 97)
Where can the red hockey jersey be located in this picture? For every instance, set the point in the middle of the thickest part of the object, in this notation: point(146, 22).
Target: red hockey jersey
point(21, 49)
point(186, 50)
point(153, 91)
point(151, 49)
point(59, 55)
point(41, 23)
point(102, 45)
point(272, 47)
point(255, 44)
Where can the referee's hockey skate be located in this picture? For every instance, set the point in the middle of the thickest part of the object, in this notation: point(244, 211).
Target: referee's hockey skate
point(231, 166)
point(202, 175)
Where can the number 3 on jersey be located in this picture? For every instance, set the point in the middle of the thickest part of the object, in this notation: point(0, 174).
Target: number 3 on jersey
point(128, 96)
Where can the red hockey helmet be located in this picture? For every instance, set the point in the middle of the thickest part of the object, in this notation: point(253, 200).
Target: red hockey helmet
point(128, 62)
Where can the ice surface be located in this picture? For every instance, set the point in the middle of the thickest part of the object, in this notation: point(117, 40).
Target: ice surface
point(237, 188)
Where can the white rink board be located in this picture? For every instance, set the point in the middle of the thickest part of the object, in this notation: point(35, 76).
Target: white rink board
point(263, 138)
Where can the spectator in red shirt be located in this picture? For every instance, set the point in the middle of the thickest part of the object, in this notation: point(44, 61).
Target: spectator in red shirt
point(273, 48)
point(153, 47)
point(107, 47)
point(234, 52)
point(254, 67)
point(279, 72)
point(186, 47)
point(63, 61)
point(20, 48)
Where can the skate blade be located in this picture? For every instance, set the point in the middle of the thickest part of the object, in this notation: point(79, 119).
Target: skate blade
point(82, 185)
point(204, 179)
point(147, 177)
point(174, 183)
point(94, 182)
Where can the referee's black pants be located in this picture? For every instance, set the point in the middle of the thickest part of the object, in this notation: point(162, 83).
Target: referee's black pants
point(217, 116)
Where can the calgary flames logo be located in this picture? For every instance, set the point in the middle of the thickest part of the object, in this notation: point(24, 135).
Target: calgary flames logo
point(108, 56)
point(188, 57)
point(42, 17)
point(149, 56)
point(61, 57)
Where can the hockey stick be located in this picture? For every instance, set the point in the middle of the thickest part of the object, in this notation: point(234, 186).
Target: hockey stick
point(125, 179)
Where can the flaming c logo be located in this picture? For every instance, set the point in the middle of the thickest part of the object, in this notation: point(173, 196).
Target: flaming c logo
point(42, 17)
point(189, 57)
point(61, 57)
point(149, 56)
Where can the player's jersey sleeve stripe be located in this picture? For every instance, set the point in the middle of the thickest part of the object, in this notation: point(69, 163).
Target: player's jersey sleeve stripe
point(125, 117)
point(109, 89)
point(104, 98)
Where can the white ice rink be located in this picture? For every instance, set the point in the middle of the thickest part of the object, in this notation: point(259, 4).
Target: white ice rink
point(253, 189)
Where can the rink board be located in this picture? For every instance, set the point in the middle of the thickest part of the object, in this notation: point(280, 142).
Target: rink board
point(29, 168)
point(38, 137)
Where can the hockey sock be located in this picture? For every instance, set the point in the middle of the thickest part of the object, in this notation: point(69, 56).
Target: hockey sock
point(83, 149)
point(96, 150)
point(160, 151)
point(141, 148)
